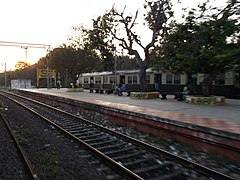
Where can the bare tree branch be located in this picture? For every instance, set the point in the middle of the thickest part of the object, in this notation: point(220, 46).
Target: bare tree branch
point(134, 20)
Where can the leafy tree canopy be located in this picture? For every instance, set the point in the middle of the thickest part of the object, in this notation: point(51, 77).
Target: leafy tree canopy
point(21, 65)
point(95, 40)
point(203, 44)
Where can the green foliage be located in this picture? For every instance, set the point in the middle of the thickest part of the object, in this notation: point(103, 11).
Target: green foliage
point(97, 41)
point(1, 105)
point(125, 62)
point(201, 46)
point(205, 43)
point(22, 141)
point(70, 61)
point(158, 14)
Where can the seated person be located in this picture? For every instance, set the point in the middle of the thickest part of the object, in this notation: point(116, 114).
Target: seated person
point(185, 92)
point(122, 89)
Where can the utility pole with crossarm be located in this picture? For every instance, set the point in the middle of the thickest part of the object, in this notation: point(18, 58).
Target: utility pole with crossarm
point(26, 46)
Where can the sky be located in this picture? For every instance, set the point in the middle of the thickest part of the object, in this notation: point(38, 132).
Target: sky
point(45, 22)
point(48, 22)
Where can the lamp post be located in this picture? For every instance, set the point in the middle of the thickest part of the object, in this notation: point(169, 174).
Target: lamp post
point(115, 70)
point(26, 53)
point(48, 87)
point(48, 74)
point(5, 71)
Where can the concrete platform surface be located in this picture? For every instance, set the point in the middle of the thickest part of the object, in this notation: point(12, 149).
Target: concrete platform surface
point(221, 117)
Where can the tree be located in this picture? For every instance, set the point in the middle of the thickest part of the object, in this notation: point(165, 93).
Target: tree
point(93, 40)
point(70, 62)
point(96, 40)
point(204, 44)
point(21, 65)
point(125, 62)
point(158, 16)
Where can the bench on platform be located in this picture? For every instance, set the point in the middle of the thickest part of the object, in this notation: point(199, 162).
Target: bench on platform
point(177, 95)
point(132, 88)
point(107, 88)
point(95, 87)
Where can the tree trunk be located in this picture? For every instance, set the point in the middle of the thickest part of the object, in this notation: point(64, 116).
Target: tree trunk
point(142, 77)
point(206, 84)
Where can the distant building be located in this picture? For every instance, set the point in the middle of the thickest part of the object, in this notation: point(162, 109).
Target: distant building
point(21, 84)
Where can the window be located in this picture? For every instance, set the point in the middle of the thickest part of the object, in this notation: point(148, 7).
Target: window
point(176, 79)
point(105, 79)
point(220, 79)
point(173, 79)
point(132, 79)
point(169, 79)
point(98, 80)
point(111, 79)
point(85, 80)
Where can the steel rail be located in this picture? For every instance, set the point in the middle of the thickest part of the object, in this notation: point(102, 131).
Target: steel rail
point(26, 162)
point(126, 173)
point(184, 162)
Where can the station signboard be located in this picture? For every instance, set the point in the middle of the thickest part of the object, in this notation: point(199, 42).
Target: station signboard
point(49, 75)
point(42, 73)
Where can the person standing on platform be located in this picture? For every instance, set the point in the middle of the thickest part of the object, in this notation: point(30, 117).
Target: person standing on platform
point(58, 84)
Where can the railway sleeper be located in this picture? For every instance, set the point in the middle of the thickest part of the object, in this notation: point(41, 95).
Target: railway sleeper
point(109, 174)
point(103, 143)
point(93, 135)
point(79, 134)
point(74, 128)
point(127, 156)
point(166, 167)
point(114, 146)
point(70, 124)
point(122, 150)
point(138, 161)
point(77, 128)
point(113, 176)
point(97, 139)
point(177, 174)
point(155, 171)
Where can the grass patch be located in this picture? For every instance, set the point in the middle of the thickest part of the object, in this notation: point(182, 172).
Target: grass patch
point(218, 158)
point(52, 160)
point(1, 104)
point(22, 141)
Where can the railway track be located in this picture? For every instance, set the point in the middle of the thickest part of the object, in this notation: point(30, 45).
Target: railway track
point(129, 157)
point(22, 167)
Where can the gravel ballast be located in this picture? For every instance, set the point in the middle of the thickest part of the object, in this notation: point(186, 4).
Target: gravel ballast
point(52, 155)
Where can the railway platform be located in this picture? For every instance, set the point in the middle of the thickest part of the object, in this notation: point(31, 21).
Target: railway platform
point(223, 117)
point(203, 126)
